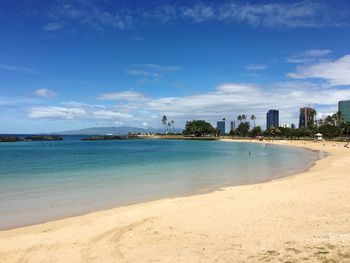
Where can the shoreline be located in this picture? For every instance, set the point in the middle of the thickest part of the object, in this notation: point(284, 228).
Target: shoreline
point(236, 222)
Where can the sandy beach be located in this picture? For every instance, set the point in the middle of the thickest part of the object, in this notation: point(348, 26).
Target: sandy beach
point(304, 217)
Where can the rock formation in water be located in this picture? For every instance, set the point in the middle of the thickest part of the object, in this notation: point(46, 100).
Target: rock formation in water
point(9, 139)
point(43, 138)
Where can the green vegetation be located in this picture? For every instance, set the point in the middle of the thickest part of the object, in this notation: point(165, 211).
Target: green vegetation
point(334, 126)
point(243, 129)
point(256, 131)
point(199, 128)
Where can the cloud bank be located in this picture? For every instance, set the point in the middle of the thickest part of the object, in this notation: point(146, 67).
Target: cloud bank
point(225, 100)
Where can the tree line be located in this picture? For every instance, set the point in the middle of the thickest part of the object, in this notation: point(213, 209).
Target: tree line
point(330, 127)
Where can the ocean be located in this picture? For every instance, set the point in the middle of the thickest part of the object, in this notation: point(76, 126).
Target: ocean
point(47, 180)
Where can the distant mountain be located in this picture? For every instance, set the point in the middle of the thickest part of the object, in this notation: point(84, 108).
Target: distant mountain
point(110, 130)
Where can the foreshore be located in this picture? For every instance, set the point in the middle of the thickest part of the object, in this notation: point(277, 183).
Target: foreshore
point(304, 217)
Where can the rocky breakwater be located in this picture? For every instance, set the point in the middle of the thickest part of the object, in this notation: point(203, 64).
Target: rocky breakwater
point(9, 139)
point(43, 138)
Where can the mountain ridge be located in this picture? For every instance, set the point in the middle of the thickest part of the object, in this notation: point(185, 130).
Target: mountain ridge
point(110, 130)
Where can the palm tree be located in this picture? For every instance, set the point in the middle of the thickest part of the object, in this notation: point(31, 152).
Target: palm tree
point(172, 122)
point(244, 117)
point(253, 118)
point(338, 118)
point(239, 118)
point(164, 123)
point(321, 122)
point(274, 131)
point(328, 119)
point(169, 126)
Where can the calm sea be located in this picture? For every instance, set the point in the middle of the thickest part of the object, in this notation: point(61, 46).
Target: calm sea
point(41, 181)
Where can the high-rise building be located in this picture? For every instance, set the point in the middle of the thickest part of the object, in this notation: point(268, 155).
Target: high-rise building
point(220, 125)
point(307, 117)
point(233, 126)
point(344, 108)
point(292, 126)
point(272, 119)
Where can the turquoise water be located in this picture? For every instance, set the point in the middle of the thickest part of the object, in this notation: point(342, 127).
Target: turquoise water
point(41, 181)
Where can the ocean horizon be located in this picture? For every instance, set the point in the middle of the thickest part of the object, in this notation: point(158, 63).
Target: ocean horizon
point(48, 180)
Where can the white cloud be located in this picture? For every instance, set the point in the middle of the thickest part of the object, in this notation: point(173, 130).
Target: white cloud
point(308, 56)
point(159, 68)
point(109, 114)
point(138, 38)
point(335, 72)
point(199, 12)
point(162, 13)
point(150, 72)
point(298, 14)
point(79, 111)
point(52, 26)
point(256, 67)
point(138, 72)
point(20, 69)
point(236, 88)
point(125, 95)
point(15, 102)
point(45, 93)
point(118, 123)
point(88, 14)
point(318, 52)
point(53, 112)
point(142, 73)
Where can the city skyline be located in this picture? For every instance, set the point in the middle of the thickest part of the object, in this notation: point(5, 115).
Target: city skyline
point(78, 64)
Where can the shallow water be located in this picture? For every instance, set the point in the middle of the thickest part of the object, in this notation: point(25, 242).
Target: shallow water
point(41, 181)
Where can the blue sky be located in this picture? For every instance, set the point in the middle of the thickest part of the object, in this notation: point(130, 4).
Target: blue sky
point(82, 63)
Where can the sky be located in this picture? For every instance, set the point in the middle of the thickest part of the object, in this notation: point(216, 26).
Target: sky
point(85, 63)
